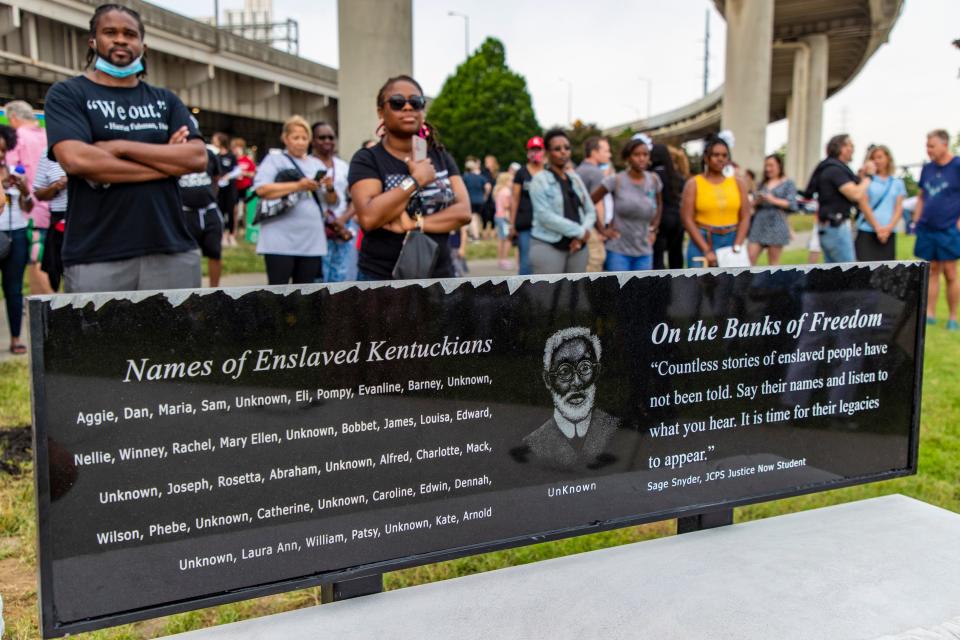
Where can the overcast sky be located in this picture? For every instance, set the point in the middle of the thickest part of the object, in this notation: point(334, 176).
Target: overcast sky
point(909, 87)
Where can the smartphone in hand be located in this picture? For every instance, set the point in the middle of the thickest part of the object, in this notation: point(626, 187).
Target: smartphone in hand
point(320, 175)
point(419, 148)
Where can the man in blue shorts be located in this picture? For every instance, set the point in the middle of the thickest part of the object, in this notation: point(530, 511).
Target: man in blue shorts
point(936, 215)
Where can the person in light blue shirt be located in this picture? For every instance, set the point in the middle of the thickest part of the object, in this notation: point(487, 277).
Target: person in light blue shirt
point(880, 210)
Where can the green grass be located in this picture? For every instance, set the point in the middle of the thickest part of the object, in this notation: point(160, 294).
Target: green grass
point(937, 483)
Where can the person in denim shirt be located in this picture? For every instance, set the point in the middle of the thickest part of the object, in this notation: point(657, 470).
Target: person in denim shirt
point(563, 213)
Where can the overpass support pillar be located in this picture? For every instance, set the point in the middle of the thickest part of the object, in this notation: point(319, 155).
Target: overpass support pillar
point(371, 50)
point(805, 107)
point(816, 95)
point(746, 99)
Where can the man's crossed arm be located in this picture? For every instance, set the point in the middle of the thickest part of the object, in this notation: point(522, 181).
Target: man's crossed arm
point(119, 161)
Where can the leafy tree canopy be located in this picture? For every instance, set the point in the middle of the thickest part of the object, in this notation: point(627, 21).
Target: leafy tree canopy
point(485, 108)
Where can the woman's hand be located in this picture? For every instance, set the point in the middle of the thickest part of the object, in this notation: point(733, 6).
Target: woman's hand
point(307, 184)
point(575, 245)
point(611, 234)
point(402, 224)
point(422, 171)
point(711, 258)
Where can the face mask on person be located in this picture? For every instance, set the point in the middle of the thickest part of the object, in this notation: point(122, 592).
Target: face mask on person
point(102, 64)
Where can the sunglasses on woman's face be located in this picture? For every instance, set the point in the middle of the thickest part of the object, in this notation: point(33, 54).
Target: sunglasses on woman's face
point(561, 147)
point(325, 138)
point(398, 102)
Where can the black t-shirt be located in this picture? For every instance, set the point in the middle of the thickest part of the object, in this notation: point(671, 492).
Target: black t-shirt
point(228, 162)
point(381, 248)
point(196, 189)
point(125, 220)
point(571, 210)
point(829, 177)
point(524, 220)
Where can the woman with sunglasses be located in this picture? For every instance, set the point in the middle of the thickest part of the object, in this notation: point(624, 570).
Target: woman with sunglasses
point(714, 208)
point(563, 213)
point(394, 193)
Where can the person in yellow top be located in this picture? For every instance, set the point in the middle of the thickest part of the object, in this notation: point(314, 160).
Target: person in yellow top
point(714, 209)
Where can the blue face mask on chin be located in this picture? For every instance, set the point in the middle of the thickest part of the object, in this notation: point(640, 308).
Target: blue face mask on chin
point(119, 72)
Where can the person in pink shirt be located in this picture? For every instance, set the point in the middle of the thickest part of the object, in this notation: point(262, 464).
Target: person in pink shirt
point(503, 198)
point(31, 146)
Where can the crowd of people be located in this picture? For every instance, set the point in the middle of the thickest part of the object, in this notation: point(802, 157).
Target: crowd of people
point(121, 191)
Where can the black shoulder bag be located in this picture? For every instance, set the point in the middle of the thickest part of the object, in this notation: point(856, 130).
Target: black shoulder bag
point(270, 210)
point(419, 253)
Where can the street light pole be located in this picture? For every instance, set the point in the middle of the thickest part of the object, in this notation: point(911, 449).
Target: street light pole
point(649, 84)
point(569, 100)
point(466, 31)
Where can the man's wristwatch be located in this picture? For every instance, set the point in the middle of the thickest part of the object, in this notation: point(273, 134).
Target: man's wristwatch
point(737, 248)
point(409, 184)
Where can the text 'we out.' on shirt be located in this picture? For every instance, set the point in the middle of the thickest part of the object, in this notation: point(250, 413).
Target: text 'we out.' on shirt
point(124, 220)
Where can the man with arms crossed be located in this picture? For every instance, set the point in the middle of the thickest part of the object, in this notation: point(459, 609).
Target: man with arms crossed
point(123, 144)
point(936, 215)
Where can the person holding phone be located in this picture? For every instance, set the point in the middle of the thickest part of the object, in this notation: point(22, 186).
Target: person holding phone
point(292, 244)
point(406, 181)
point(15, 202)
point(340, 263)
point(776, 197)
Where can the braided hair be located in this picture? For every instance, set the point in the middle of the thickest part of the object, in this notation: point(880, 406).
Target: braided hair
point(430, 132)
point(95, 21)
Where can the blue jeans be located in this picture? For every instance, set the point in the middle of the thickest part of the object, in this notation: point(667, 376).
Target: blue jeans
point(719, 242)
point(13, 267)
point(836, 243)
point(340, 263)
point(622, 262)
point(523, 250)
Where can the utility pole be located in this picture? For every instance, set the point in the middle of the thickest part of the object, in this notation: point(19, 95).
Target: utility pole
point(466, 31)
point(706, 53)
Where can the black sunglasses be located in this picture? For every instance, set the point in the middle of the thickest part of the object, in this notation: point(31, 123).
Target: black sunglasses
point(398, 102)
point(326, 137)
point(561, 147)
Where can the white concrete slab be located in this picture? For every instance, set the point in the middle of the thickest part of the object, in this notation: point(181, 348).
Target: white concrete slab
point(859, 570)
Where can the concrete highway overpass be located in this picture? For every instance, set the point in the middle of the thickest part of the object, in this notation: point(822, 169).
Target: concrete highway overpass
point(232, 83)
point(816, 47)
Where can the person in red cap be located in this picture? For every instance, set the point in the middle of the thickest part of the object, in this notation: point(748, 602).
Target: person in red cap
point(521, 209)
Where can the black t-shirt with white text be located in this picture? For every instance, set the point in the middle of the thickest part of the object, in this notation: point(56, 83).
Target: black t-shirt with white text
point(123, 220)
point(524, 221)
point(381, 248)
point(196, 189)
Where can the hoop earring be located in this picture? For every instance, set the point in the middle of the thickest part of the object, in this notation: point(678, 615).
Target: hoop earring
point(381, 130)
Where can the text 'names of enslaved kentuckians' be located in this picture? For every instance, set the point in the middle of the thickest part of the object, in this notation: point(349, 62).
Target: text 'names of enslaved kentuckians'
point(322, 464)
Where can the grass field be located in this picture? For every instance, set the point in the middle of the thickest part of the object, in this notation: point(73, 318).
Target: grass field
point(938, 483)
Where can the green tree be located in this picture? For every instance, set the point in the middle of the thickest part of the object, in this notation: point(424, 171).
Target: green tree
point(485, 108)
